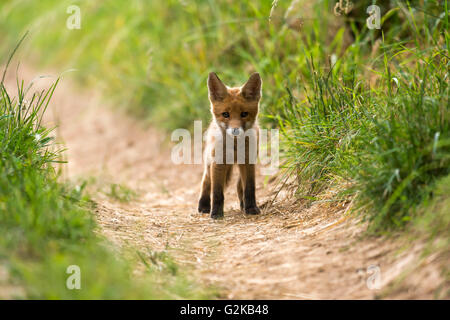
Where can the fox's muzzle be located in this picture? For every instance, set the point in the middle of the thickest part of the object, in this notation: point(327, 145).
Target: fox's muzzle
point(235, 131)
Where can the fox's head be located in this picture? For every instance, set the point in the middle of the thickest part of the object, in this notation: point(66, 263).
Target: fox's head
point(234, 109)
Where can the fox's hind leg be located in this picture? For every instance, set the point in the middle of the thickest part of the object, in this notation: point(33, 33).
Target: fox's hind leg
point(204, 204)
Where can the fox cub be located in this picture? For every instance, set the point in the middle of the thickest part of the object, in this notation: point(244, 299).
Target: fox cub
point(234, 113)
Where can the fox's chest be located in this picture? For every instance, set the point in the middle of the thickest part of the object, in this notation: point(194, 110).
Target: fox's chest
point(235, 150)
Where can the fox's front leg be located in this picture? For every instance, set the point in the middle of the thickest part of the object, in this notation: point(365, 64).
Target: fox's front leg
point(218, 174)
point(204, 204)
point(247, 175)
point(240, 192)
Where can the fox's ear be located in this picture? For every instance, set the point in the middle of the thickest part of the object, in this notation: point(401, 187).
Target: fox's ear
point(251, 90)
point(217, 90)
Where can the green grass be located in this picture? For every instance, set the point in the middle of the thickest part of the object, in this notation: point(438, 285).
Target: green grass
point(364, 108)
point(389, 138)
point(121, 193)
point(47, 226)
point(433, 218)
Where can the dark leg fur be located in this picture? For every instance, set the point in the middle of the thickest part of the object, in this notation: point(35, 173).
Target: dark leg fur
point(240, 192)
point(219, 174)
point(204, 204)
point(248, 175)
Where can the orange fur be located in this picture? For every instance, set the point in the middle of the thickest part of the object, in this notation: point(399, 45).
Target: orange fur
point(235, 112)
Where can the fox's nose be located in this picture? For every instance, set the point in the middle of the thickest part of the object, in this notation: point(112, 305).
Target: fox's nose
point(236, 131)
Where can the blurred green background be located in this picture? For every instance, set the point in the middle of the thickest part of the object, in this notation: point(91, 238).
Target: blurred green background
point(154, 56)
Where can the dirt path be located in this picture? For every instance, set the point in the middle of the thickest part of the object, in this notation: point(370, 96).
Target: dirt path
point(288, 252)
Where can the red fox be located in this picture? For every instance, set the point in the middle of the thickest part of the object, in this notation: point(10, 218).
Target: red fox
point(234, 112)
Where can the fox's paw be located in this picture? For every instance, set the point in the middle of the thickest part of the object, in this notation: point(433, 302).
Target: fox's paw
point(252, 210)
point(204, 205)
point(217, 214)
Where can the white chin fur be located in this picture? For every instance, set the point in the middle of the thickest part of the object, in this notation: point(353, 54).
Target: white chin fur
point(222, 125)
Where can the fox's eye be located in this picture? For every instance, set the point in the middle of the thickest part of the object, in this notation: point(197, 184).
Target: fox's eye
point(244, 114)
point(226, 115)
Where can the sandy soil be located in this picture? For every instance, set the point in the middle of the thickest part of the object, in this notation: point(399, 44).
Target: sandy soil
point(290, 251)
